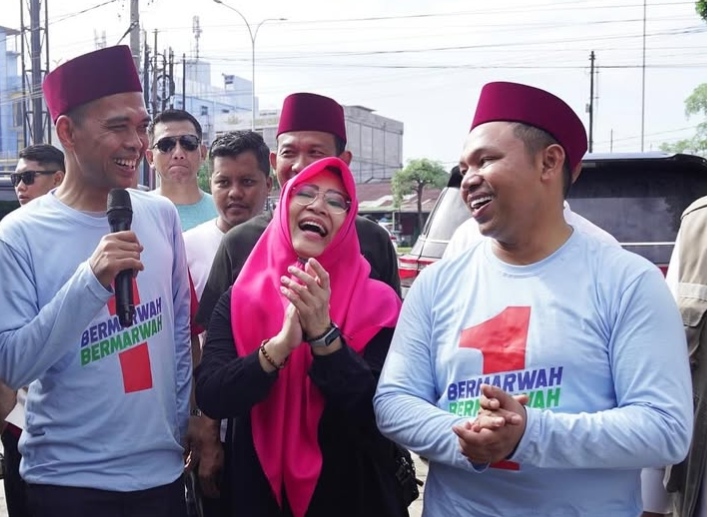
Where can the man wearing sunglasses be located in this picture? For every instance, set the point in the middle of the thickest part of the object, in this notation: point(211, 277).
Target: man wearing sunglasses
point(39, 170)
point(176, 152)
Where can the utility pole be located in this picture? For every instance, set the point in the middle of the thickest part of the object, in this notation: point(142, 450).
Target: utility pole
point(612, 140)
point(153, 89)
point(184, 82)
point(163, 85)
point(135, 32)
point(644, 67)
point(34, 40)
point(147, 177)
point(170, 74)
point(592, 98)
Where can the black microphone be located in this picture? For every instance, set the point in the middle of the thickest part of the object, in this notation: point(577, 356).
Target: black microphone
point(120, 216)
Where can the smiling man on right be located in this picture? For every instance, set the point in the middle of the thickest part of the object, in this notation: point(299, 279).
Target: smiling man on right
point(540, 370)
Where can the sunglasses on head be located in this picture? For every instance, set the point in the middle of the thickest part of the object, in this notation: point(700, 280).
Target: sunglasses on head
point(186, 142)
point(27, 177)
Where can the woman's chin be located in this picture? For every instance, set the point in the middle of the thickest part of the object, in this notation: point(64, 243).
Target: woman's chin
point(308, 249)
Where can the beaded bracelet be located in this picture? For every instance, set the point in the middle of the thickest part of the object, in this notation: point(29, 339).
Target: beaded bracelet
point(270, 359)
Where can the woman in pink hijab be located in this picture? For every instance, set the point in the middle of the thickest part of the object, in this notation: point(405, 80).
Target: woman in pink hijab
point(292, 358)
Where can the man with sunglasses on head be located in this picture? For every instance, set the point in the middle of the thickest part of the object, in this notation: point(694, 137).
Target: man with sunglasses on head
point(39, 170)
point(176, 152)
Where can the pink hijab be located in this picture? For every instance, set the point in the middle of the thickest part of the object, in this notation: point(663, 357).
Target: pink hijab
point(285, 424)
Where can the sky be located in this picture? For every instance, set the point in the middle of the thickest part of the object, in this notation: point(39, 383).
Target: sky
point(423, 62)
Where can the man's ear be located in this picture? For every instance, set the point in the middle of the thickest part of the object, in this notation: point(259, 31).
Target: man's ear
point(346, 157)
point(149, 156)
point(58, 178)
point(203, 151)
point(273, 160)
point(553, 158)
point(66, 131)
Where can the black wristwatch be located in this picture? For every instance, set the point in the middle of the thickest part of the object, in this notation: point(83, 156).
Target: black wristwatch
point(327, 338)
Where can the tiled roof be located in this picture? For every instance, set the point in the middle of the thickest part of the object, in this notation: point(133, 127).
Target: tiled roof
point(377, 197)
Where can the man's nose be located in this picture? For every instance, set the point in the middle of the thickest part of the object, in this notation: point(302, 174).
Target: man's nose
point(179, 152)
point(235, 192)
point(136, 141)
point(470, 180)
point(299, 164)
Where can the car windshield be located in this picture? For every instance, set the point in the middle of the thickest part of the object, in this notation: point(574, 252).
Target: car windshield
point(451, 212)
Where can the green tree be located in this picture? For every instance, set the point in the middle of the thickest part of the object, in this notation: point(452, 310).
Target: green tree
point(204, 177)
point(414, 178)
point(695, 104)
point(701, 8)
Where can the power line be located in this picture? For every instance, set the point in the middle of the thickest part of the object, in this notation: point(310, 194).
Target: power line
point(637, 137)
point(552, 6)
point(673, 32)
point(522, 25)
point(83, 11)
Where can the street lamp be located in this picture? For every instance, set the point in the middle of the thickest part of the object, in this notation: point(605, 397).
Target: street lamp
point(253, 35)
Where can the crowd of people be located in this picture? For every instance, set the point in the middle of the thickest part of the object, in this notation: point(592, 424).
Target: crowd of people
point(272, 369)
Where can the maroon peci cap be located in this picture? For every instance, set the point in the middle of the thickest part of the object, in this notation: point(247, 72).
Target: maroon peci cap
point(311, 112)
point(512, 102)
point(89, 77)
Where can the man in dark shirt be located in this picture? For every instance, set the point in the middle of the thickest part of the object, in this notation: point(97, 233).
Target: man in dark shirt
point(311, 127)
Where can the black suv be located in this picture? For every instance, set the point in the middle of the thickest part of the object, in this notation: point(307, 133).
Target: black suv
point(638, 198)
point(8, 198)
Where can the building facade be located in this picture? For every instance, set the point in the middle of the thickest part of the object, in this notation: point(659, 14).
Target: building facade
point(376, 142)
point(207, 102)
point(11, 127)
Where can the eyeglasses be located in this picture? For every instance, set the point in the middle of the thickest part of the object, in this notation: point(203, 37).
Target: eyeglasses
point(187, 142)
point(307, 194)
point(27, 177)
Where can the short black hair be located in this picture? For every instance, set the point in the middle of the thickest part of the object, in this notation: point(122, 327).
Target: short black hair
point(340, 144)
point(44, 154)
point(174, 115)
point(77, 114)
point(536, 140)
point(234, 143)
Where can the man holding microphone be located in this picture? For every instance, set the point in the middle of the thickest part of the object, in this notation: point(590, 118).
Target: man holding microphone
point(108, 405)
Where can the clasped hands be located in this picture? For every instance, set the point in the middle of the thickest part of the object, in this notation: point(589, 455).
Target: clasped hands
point(497, 430)
point(307, 315)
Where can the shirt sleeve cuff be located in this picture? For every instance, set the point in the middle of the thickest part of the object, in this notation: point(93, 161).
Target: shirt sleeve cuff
point(94, 286)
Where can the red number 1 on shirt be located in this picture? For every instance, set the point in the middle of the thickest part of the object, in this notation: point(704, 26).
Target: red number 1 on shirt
point(502, 341)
